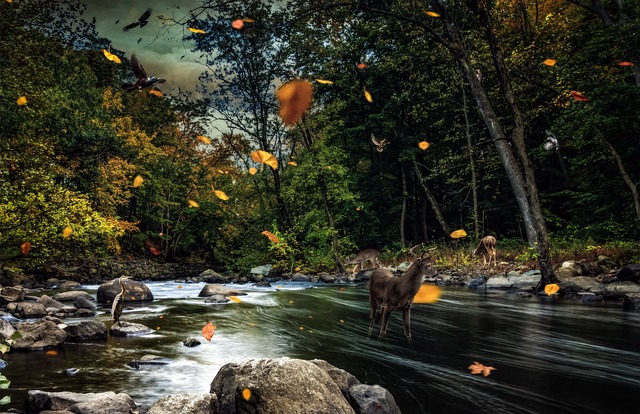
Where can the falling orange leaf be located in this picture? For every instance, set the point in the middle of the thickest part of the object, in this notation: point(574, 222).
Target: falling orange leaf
point(427, 294)
point(301, 328)
point(423, 145)
point(271, 236)
point(246, 394)
point(295, 164)
point(179, 286)
point(477, 368)
point(432, 13)
point(25, 248)
point(625, 64)
point(579, 97)
point(111, 56)
point(358, 209)
point(551, 288)
point(193, 204)
point(324, 81)
point(203, 139)
point(155, 92)
point(157, 328)
point(197, 31)
point(297, 269)
point(237, 24)
point(265, 158)
point(253, 171)
point(458, 234)
point(161, 316)
point(137, 182)
point(361, 66)
point(154, 251)
point(294, 98)
point(367, 96)
point(52, 352)
point(235, 299)
point(549, 62)
point(207, 331)
point(67, 232)
point(221, 195)
point(341, 320)
point(22, 101)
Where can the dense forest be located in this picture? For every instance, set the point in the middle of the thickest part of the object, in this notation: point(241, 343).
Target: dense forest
point(514, 118)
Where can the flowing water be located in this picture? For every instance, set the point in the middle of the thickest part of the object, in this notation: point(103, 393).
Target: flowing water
point(551, 356)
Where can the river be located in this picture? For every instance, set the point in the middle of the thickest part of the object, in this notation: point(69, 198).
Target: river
point(551, 356)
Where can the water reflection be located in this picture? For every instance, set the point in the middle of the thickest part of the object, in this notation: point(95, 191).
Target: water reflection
point(551, 356)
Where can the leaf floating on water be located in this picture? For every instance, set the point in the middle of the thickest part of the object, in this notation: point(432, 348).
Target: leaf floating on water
point(22, 101)
point(626, 64)
point(193, 204)
point(428, 294)
point(294, 99)
point(579, 97)
point(477, 368)
point(271, 236)
point(423, 145)
point(246, 394)
point(458, 234)
point(432, 13)
point(196, 31)
point(52, 352)
point(137, 182)
point(235, 299)
point(253, 171)
point(203, 139)
point(367, 96)
point(264, 157)
point(67, 232)
point(551, 288)
point(549, 62)
point(221, 195)
point(207, 331)
point(25, 248)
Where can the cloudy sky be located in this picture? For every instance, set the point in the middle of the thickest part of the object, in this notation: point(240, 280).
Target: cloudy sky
point(161, 49)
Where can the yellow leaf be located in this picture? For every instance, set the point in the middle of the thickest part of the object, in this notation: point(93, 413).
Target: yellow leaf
point(235, 299)
point(137, 182)
point(22, 101)
point(341, 320)
point(221, 195)
point(271, 236)
point(67, 232)
point(111, 56)
point(458, 234)
point(432, 13)
point(297, 269)
point(294, 99)
point(295, 164)
point(197, 31)
point(427, 294)
point(324, 81)
point(265, 158)
point(248, 20)
point(203, 139)
point(368, 96)
point(246, 394)
point(253, 171)
point(193, 204)
point(551, 288)
point(423, 145)
point(328, 167)
point(549, 62)
point(155, 92)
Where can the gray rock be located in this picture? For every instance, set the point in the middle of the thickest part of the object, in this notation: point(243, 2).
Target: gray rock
point(582, 283)
point(83, 313)
point(211, 289)
point(211, 276)
point(149, 360)
point(108, 404)
point(263, 283)
point(564, 273)
point(191, 342)
point(6, 329)
point(49, 302)
point(631, 301)
point(69, 284)
point(342, 378)
point(84, 303)
point(261, 270)
point(52, 283)
point(124, 329)
point(300, 277)
point(39, 335)
point(135, 291)
point(326, 278)
point(499, 282)
point(216, 299)
point(38, 401)
point(25, 310)
point(403, 267)
point(72, 295)
point(10, 294)
point(532, 272)
point(574, 266)
point(373, 399)
point(282, 385)
point(185, 404)
point(630, 273)
point(589, 297)
point(525, 281)
point(86, 331)
point(620, 289)
point(363, 275)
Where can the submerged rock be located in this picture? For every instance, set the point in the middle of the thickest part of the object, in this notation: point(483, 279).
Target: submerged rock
point(129, 329)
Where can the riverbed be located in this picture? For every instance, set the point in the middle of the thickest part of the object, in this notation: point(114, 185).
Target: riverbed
point(550, 355)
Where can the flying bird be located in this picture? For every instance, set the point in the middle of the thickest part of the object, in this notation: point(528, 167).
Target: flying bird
point(551, 143)
point(139, 40)
point(142, 21)
point(142, 80)
point(379, 144)
point(117, 21)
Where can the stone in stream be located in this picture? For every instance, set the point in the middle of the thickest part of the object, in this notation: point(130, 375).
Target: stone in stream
point(191, 342)
point(6, 329)
point(373, 399)
point(149, 360)
point(129, 329)
point(10, 294)
point(39, 335)
point(90, 403)
point(216, 299)
point(185, 404)
point(84, 303)
point(25, 310)
point(135, 291)
point(48, 302)
point(214, 289)
point(86, 331)
point(72, 295)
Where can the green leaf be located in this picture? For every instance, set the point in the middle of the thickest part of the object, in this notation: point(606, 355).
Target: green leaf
point(5, 400)
point(4, 383)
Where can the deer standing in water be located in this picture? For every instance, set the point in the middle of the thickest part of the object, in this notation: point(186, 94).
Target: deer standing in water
point(369, 254)
point(396, 293)
point(487, 248)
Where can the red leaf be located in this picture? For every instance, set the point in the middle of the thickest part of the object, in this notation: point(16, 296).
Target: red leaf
point(626, 64)
point(579, 97)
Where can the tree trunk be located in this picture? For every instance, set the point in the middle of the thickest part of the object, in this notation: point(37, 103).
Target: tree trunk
point(403, 215)
point(432, 200)
point(472, 167)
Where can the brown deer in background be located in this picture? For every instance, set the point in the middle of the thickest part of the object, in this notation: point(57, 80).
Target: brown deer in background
point(365, 255)
point(487, 248)
point(396, 293)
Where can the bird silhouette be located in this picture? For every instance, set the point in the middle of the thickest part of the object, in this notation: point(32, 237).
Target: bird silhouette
point(139, 40)
point(379, 144)
point(142, 79)
point(142, 21)
point(117, 21)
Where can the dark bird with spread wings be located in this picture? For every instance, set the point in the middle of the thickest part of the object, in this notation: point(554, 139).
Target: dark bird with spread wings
point(378, 143)
point(142, 21)
point(143, 81)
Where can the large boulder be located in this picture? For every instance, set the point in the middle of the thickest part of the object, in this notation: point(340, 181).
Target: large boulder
point(582, 283)
point(261, 270)
point(343, 379)
point(211, 290)
point(86, 331)
point(72, 295)
point(499, 282)
point(6, 329)
point(39, 335)
point(277, 386)
point(211, 276)
point(90, 403)
point(26, 310)
point(630, 273)
point(129, 329)
point(10, 294)
point(84, 303)
point(526, 281)
point(135, 291)
point(620, 289)
point(48, 302)
point(185, 404)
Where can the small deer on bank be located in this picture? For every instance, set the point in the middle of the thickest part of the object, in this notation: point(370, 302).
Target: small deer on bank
point(487, 248)
point(365, 255)
point(396, 293)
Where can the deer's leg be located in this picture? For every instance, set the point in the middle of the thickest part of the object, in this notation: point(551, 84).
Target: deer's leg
point(406, 318)
point(372, 314)
point(384, 319)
